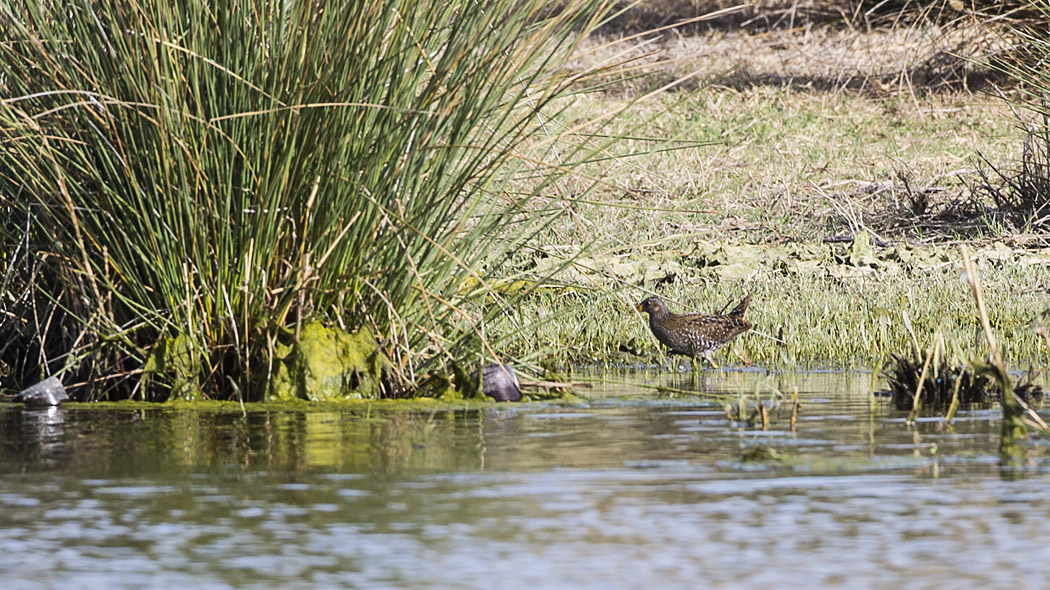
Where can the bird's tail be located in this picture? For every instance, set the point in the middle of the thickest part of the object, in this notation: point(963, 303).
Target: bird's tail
point(741, 307)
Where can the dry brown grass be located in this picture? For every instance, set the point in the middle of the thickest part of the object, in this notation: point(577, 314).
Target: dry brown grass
point(766, 15)
point(887, 59)
point(787, 164)
point(819, 123)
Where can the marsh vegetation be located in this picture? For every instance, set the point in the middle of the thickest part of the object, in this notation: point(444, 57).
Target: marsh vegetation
point(188, 187)
point(208, 200)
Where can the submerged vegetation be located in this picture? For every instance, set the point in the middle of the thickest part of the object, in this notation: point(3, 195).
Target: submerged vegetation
point(186, 186)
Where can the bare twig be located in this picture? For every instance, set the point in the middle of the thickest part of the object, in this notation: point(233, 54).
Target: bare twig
point(918, 388)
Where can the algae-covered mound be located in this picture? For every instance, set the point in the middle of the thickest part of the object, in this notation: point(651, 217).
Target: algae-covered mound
point(175, 361)
point(323, 364)
point(326, 363)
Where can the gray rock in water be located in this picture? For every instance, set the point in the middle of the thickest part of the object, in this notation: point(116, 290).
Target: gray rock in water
point(500, 383)
point(48, 392)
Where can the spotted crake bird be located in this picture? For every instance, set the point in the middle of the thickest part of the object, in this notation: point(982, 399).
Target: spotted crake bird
point(695, 334)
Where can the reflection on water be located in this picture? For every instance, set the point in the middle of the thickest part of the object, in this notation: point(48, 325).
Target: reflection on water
point(35, 436)
point(624, 491)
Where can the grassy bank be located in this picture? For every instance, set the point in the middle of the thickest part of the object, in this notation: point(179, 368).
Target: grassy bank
point(815, 305)
point(766, 197)
point(779, 147)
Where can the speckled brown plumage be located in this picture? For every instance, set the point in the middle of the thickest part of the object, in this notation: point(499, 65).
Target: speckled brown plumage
point(695, 334)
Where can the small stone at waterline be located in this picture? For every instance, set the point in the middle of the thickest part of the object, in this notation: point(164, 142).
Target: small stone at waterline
point(500, 383)
point(48, 392)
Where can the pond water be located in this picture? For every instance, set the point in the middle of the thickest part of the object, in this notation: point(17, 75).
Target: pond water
point(630, 489)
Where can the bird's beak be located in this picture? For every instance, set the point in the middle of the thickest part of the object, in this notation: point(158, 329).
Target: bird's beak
point(639, 308)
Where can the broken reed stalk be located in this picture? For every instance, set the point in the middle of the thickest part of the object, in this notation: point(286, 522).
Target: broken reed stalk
point(954, 406)
point(795, 406)
point(918, 388)
point(1013, 429)
point(975, 287)
point(762, 411)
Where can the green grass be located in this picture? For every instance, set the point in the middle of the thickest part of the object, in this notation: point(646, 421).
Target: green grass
point(828, 314)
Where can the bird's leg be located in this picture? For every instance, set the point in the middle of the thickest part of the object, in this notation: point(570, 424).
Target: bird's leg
point(709, 356)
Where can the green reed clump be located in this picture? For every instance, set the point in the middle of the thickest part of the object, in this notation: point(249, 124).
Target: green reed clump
point(221, 171)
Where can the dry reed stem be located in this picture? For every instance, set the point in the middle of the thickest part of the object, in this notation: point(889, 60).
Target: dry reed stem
point(975, 287)
point(1009, 398)
point(918, 389)
point(795, 407)
point(952, 407)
